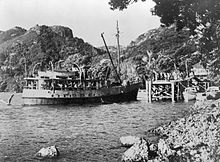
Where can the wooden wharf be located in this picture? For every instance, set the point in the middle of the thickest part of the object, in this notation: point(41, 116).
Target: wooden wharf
point(168, 89)
point(163, 89)
point(163, 86)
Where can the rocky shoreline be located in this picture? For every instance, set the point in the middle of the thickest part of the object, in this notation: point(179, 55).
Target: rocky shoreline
point(195, 137)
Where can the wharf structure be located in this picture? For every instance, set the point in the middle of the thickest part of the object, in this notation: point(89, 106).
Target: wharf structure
point(157, 90)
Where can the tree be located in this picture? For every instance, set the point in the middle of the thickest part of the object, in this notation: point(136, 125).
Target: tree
point(121, 4)
point(201, 17)
point(185, 13)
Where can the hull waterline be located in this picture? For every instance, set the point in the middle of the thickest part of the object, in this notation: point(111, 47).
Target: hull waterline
point(102, 96)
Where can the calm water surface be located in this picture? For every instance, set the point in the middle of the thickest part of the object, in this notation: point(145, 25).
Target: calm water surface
point(82, 133)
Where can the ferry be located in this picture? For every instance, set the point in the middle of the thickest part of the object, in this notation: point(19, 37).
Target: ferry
point(63, 87)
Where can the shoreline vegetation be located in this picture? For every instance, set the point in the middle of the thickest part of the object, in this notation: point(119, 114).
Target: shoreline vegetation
point(194, 137)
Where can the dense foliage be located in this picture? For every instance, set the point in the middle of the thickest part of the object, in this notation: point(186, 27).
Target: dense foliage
point(201, 17)
point(186, 13)
point(162, 50)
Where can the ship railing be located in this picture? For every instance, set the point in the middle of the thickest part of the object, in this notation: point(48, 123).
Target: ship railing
point(70, 84)
point(30, 87)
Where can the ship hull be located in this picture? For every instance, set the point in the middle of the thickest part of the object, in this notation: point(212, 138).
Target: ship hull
point(104, 95)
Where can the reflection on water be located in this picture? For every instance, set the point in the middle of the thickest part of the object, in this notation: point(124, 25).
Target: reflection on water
point(81, 133)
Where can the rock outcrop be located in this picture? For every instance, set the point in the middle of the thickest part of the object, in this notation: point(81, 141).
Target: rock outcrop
point(62, 31)
point(138, 152)
point(195, 137)
point(48, 152)
point(128, 141)
point(11, 33)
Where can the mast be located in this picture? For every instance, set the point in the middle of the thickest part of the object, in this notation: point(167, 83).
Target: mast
point(118, 44)
point(111, 58)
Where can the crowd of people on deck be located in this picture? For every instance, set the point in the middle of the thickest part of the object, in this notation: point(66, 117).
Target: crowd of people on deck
point(175, 75)
point(86, 78)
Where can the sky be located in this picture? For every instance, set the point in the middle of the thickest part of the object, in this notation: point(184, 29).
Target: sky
point(87, 18)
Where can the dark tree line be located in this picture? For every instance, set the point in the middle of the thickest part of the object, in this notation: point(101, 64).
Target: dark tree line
point(201, 17)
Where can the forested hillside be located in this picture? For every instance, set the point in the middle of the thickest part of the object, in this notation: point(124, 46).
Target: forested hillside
point(162, 50)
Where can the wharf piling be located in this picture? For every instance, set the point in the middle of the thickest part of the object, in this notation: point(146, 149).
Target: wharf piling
point(164, 89)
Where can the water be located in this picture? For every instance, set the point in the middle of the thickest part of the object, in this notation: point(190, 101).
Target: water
point(82, 133)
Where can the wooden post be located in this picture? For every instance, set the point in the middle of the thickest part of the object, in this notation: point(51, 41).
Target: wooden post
point(150, 92)
point(178, 91)
point(147, 90)
point(173, 91)
point(97, 84)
